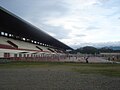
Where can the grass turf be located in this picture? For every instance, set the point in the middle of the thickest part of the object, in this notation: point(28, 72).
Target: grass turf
point(82, 68)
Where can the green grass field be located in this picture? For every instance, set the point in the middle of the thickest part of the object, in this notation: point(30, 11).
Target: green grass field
point(82, 68)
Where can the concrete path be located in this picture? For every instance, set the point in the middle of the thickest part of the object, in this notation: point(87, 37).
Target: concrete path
point(90, 59)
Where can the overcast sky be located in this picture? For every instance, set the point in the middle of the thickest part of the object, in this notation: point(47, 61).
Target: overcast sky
point(74, 22)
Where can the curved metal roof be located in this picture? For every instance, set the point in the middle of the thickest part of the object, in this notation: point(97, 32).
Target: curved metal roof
point(13, 24)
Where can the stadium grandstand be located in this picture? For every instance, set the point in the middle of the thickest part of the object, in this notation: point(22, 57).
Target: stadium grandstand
point(20, 40)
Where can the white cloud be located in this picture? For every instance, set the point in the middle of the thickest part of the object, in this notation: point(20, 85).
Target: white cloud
point(88, 18)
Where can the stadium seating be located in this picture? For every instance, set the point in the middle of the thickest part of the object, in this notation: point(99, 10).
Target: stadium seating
point(14, 49)
point(20, 44)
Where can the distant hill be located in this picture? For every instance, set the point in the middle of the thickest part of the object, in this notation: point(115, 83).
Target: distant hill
point(114, 47)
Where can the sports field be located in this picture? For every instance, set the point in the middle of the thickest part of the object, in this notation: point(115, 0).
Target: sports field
point(59, 76)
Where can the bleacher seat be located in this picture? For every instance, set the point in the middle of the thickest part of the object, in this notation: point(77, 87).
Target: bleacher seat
point(21, 44)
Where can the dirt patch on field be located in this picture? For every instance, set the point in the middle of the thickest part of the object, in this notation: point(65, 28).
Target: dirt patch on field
point(54, 79)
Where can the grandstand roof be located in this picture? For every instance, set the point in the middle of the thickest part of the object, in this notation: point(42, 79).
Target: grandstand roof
point(13, 24)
